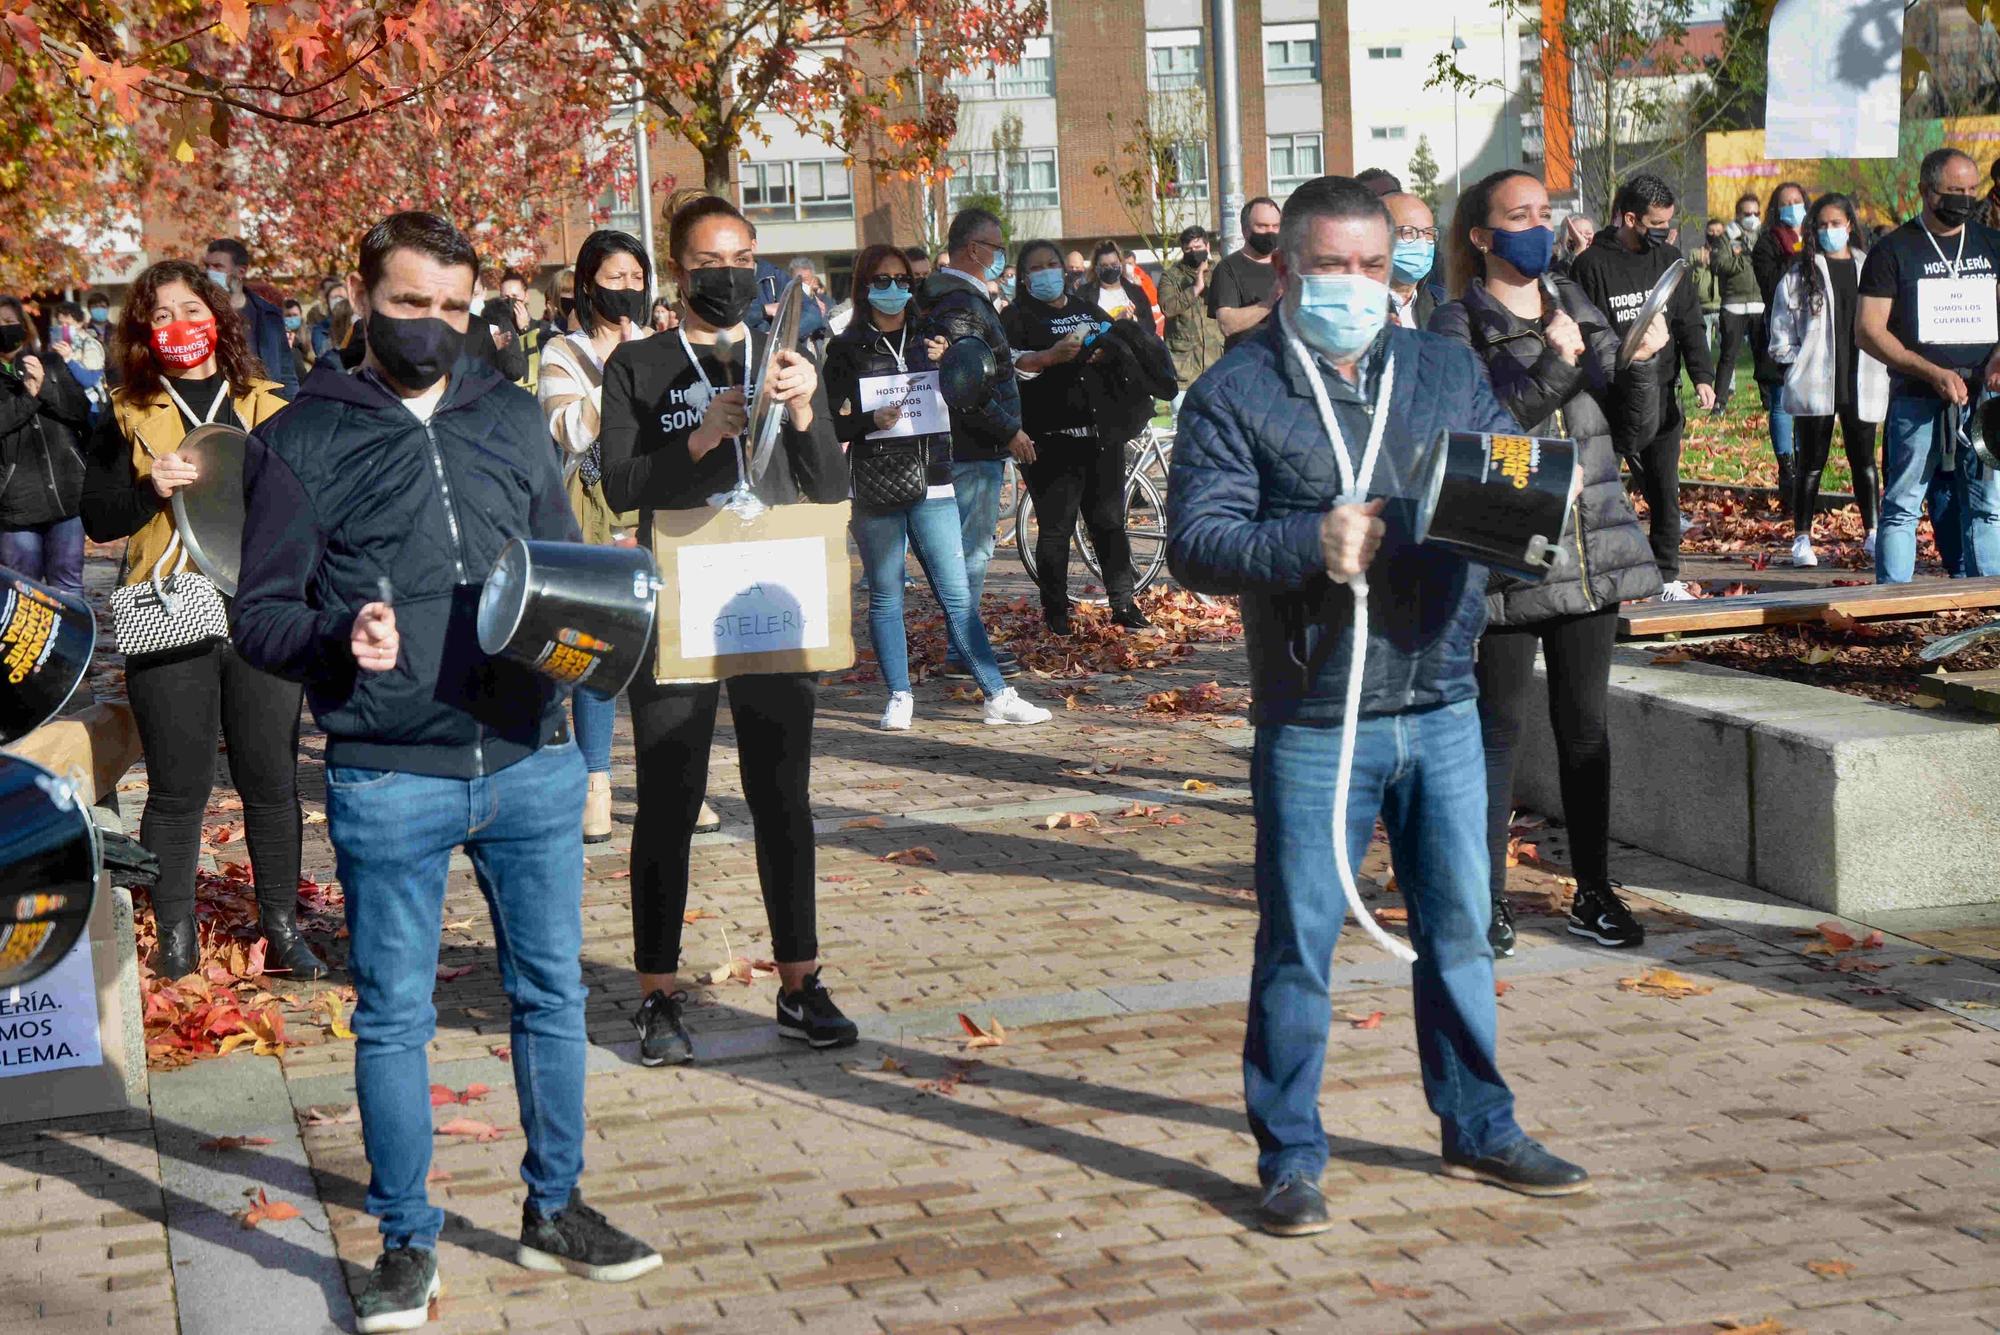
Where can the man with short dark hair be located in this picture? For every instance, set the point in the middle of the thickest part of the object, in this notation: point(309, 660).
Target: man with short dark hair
point(1380, 182)
point(1927, 310)
point(228, 263)
point(919, 261)
point(1267, 504)
point(953, 304)
point(298, 344)
point(1245, 285)
point(376, 505)
point(1621, 266)
point(1741, 309)
point(1193, 337)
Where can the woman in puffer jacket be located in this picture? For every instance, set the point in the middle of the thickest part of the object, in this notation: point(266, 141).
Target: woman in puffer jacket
point(1826, 375)
point(1552, 359)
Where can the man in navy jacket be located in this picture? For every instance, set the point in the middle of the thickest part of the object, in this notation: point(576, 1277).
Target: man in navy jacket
point(377, 505)
point(1259, 508)
point(228, 263)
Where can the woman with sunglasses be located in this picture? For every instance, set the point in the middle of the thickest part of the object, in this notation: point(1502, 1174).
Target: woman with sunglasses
point(877, 343)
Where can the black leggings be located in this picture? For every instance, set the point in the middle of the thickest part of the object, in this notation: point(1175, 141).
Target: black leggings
point(1072, 474)
point(1656, 474)
point(179, 704)
point(672, 728)
point(1578, 649)
point(1813, 441)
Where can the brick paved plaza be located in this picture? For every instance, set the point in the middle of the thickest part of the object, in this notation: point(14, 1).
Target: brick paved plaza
point(1808, 1144)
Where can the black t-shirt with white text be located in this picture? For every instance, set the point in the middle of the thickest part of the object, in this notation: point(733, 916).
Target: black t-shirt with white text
point(1904, 259)
point(1058, 398)
point(1240, 281)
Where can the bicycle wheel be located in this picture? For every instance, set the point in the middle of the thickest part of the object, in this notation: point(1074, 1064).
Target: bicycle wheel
point(1146, 527)
point(1024, 531)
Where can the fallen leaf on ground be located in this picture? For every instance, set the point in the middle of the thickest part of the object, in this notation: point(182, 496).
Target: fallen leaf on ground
point(948, 1083)
point(221, 835)
point(1392, 915)
point(1770, 1325)
point(454, 974)
point(1501, 987)
point(1197, 786)
point(264, 1210)
point(1664, 983)
point(1138, 810)
point(964, 695)
point(1069, 820)
point(1973, 1005)
point(1873, 941)
point(234, 1142)
point(1815, 656)
point(472, 1130)
point(1400, 1292)
point(1838, 619)
point(503, 1051)
point(981, 1038)
point(439, 1175)
point(1831, 1269)
point(336, 1015)
point(315, 818)
point(918, 856)
point(1835, 935)
point(1933, 959)
point(1671, 657)
point(1372, 1020)
point(333, 1114)
point(740, 970)
point(866, 823)
point(443, 1094)
point(459, 925)
point(893, 1067)
point(1171, 818)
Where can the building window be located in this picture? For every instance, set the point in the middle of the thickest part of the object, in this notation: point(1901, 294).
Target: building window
point(1291, 53)
point(1385, 53)
point(1035, 76)
point(1294, 160)
point(797, 191)
point(1385, 132)
point(1173, 60)
point(1030, 183)
point(1187, 168)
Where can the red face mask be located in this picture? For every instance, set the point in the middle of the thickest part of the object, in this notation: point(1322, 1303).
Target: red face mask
point(184, 343)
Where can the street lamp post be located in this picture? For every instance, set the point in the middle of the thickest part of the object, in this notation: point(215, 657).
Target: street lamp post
point(1228, 121)
point(1457, 158)
point(645, 187)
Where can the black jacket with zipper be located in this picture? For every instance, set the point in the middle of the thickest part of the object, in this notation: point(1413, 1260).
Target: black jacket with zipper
point(1604, 559)
point(948, 307)
point(859, 351)
point(346, 488)
point(41, 446)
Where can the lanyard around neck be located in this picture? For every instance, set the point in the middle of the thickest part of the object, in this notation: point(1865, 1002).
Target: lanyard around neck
point(1953, 264)
point(187, 413)
point(902, 346)
point(749, 350)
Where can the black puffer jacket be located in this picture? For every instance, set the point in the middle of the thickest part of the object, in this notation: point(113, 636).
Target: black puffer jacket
point(1605, 558)
point(41, 456)
point(948, 307)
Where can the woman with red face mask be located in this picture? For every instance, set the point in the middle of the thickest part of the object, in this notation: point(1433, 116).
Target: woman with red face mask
point(181, 348)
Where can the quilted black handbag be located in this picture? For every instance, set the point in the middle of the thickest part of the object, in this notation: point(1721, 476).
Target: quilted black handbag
point(890, 474)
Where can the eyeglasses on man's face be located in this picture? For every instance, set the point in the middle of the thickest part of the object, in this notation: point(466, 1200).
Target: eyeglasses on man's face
point(1417, 234)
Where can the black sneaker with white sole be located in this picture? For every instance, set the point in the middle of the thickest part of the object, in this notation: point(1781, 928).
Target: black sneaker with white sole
point(810, 1015)
point(663, 1039)
point(399, 1291)
point(1601, 915)
point(583, 1242)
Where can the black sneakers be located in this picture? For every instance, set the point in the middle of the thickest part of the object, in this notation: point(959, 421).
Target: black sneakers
point(399, 1290)
point(1500, 933)
point(1602, 917)
point(1293, 1207)
point(1130, 617)
point(663, 1039)
point(1525, 1167)
point(580, 1240)
point(809, 1014)
point(1059, 621)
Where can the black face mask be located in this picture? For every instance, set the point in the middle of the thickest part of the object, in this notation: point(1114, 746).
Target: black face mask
point(620, 303)
point(1261, 243)
point(12, 336)
point(1716, 238)
point(416, 353)
point(1659, 236)
point(1194, 259)
point(1954, 210)
point(721, 296)
point(1109, 274)
point(568, 307)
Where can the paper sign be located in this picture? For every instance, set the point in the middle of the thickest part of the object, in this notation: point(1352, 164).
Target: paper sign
point(51, 1023)
point(753, 597)
point(1958, 310)
point(917, 394)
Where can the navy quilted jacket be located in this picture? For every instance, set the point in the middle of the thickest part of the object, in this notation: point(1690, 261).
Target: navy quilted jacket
point(1253, 472)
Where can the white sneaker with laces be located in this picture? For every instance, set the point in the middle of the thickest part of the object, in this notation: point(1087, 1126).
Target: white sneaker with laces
point(1802, 552)
point(1869, 543)
point(1009, 707)
point(1676, 591)
point(902, 708)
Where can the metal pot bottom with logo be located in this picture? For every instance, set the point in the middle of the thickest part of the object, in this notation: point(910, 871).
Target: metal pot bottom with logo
point(1503, 501)
point(577, 613)
point(46, 639)
point(49, 857)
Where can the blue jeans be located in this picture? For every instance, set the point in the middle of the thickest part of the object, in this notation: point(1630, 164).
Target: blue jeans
point(1424, 773)
point(51, 553)
point(1967, 525)
point(595, 716)
point(932, 527)
point(977, 485)
point(1781, 421)
point(393, 834)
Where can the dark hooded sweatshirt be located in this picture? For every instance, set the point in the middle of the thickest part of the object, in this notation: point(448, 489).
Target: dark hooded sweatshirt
point(1616, 281)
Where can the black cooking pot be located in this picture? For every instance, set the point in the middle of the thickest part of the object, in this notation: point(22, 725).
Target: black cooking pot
point(576, 612)
point(1503, 501)
point(46, 640)
point(49, 858)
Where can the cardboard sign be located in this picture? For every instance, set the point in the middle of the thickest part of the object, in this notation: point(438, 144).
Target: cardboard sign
point(1958, 310)
point(51, 1023)
point(737, 598)
point(917, 394)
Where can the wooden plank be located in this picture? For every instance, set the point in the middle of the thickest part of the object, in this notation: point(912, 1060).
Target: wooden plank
point(1863, 602)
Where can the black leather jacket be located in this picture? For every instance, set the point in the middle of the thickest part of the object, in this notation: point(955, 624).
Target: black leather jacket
point(948, 307)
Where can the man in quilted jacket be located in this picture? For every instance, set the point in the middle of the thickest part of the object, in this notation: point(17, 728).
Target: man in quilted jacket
point(1259, 508)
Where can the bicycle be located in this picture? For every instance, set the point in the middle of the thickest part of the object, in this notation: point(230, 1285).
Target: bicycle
point(1145, 514)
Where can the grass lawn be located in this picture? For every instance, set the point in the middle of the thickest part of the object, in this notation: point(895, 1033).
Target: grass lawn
point(1736, 447)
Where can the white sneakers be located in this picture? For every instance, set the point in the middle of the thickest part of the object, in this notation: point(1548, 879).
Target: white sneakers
point(1676, 591)
point(1008, 707)
point(1802, 551)
point(902, 708)
point(1869, 543)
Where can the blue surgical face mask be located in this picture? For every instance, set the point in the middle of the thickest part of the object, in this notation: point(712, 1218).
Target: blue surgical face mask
point(1007, 288)
point(1791, 215)
point(1528, 250)
point(1411, 260)
point(1339, 314)
point(998, 266)
point(1046, 284)
point(293, 322)
point(889, 301)
point(219, 278)
point(1832, 239)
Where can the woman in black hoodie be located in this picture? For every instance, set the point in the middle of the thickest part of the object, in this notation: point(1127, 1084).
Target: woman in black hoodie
point(1552, 359)
point(43, 415)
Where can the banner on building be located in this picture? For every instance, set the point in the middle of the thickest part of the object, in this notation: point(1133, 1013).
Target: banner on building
point(1836, 79)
